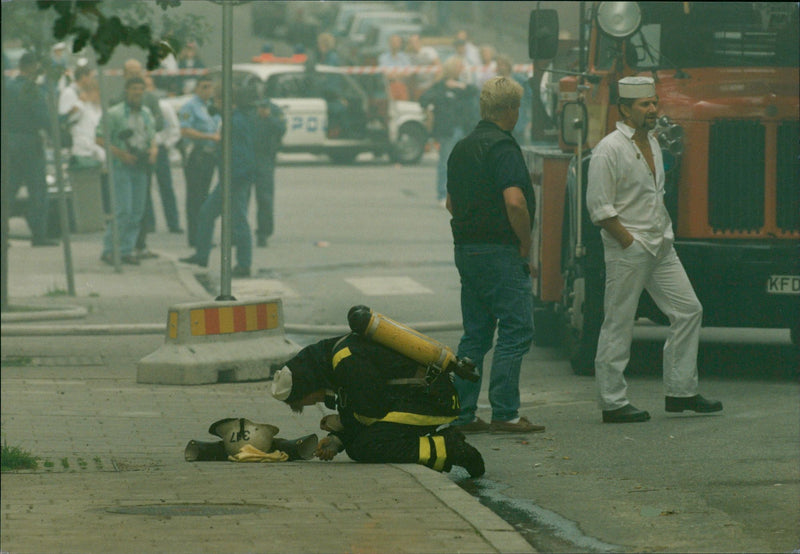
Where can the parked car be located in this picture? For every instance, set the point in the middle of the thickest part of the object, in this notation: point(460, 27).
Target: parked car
point(330, 112)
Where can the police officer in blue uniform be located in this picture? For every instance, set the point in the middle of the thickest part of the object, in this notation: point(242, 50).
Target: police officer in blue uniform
point(270, 128)
point(201, 129)
point(26, 117)
point(243, 174)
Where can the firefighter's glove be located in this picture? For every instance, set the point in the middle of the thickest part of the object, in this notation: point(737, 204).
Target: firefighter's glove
point(329, 447)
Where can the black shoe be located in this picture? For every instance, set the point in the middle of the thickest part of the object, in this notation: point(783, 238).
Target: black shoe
point(176, 230)
point(107, 259)
point(130, 259)
point(261, 241)
point(461, 453)
point(44, 242)
point(627, 414)
point(194, 260)
point(240, 271)
point(695, 403)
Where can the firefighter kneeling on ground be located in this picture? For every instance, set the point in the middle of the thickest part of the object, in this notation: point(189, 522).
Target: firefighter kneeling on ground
point(389, 406)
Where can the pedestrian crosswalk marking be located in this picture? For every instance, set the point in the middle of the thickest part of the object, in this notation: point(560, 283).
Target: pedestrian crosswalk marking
point(261, 287)
point(387, 286)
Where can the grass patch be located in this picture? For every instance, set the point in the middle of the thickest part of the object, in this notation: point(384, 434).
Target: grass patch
point(13, 457)
point(16, 361)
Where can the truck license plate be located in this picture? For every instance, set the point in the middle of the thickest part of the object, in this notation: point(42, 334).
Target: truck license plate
point(783, 284)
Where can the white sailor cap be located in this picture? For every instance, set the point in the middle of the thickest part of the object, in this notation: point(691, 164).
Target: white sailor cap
point(636, 87)
point(282, 383)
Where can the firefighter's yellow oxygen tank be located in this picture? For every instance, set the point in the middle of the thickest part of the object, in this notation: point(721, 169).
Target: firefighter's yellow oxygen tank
point(408, 342)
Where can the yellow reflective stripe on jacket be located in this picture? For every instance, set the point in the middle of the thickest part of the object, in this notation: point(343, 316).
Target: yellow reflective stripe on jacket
point(407, 418)
point(340, 355)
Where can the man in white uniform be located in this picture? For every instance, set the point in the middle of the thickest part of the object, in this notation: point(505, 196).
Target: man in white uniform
point(625, 197)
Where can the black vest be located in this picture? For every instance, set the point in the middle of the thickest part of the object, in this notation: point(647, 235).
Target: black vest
point(479, 210)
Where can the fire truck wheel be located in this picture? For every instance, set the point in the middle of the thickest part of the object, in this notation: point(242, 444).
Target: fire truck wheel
point(582, 321)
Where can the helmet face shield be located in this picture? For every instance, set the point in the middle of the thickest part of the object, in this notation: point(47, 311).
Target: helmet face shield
point(237, 432)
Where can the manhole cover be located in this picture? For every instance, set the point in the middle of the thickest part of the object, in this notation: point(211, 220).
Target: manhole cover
point(188, 509)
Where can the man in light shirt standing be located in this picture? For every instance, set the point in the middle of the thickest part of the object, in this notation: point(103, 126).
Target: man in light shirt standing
point(625, 197)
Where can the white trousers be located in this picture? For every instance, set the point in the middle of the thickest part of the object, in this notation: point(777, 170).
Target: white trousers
point(628, 272)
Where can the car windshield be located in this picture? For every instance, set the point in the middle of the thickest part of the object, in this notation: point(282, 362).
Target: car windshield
point(715, 34)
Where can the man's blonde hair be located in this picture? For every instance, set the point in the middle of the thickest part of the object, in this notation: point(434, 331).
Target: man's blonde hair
point(452, 67)
point(498, 95)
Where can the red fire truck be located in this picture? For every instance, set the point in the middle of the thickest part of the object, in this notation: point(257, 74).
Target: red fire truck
point(727, 79)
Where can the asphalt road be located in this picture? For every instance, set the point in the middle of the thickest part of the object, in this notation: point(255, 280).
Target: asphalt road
point(372, 233)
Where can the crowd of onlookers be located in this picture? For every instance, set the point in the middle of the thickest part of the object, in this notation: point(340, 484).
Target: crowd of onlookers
point(413, 63)
point(116, 152)
point(446, 81)
point(444, 75)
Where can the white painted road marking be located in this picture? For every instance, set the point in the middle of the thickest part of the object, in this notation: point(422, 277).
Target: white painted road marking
point(387, 286)
point(261, 287)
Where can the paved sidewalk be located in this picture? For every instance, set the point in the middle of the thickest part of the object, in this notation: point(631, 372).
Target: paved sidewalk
point(112, 476)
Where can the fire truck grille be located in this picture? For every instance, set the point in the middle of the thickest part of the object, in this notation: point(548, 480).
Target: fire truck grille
point(736, 175)
point(788, 177)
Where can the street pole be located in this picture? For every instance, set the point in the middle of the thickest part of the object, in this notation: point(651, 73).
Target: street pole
point(227, 113)
point(112, 195)
point(63, 212)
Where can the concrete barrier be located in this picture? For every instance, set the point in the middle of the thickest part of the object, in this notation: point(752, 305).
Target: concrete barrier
point(219, 342)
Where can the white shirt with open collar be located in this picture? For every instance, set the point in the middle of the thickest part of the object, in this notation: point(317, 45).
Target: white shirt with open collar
point(621, 184)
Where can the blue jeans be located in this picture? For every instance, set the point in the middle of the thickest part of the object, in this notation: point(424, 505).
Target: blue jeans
point(164, 177)
point(446, 145)
point(240, 229)
point(130, 195)
point(496, 293)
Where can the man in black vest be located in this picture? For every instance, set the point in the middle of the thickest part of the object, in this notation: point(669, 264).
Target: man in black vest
point(490, 197)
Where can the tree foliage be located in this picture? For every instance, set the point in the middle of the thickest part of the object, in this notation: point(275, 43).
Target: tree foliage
point(104, 25)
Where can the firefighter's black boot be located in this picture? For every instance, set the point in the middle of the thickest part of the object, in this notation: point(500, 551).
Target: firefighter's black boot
point(297, 449)
point(198, 451)
point(461, 453)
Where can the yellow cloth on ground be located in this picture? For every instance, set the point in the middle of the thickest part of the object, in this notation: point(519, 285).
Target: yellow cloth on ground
point(252, 454)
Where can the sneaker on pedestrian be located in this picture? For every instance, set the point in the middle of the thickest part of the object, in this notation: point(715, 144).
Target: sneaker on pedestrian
point(107, 258)
point(261, 241)
point(176, 230)
point(477, 425)
point(130, 259)
point(145, 254)
point(521, 425)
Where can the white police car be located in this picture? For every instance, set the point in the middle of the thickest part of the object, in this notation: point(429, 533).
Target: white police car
point(330, 112)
